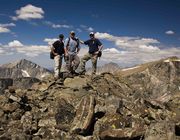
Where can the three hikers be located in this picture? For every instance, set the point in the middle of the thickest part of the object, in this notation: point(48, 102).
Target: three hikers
point(70, 49)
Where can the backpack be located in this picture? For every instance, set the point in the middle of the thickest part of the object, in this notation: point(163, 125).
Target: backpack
point(51, 55)
point(99, 54)
point(76, 39)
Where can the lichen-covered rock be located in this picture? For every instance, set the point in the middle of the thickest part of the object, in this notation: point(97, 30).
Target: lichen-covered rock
point(162, 130)
point(84, 115)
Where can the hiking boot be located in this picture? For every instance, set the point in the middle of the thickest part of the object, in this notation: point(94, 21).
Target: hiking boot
point(82, 72)
point(70, 75)
point(56, 78)
point(74, 73)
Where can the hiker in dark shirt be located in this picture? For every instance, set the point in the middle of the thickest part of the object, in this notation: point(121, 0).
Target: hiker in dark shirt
point(95, 47)
point(58, 52)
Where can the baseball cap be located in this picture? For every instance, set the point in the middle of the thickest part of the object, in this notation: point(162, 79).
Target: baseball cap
point(61, 36)
point(72, 32)
point(91, 33)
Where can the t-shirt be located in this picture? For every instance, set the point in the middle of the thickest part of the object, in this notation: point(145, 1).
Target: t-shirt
point(59, 47)
point(73, 45)
point(93, 45)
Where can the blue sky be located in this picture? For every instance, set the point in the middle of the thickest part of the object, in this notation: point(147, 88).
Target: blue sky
point(132, 31)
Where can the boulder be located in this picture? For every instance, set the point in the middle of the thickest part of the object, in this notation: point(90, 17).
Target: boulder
point(84, 116)
point(161, 130)
point(4, 83)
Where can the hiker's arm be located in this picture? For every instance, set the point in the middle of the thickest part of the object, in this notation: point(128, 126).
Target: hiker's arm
point(100, 47)
point(65, 51)
point(65, 47)
point(78, 49)
point(82, 42)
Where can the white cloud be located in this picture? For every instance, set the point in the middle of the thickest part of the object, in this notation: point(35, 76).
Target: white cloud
point(111, 50)
point(49, 23)
point(60, 26)
point(86, 28)
point(90, 29)
point(29, 12)
point(50, 41)
point(130, 58)
point(134, 50)
point(15, 43)
point(33, 50)
point(170, 32)
point(17, 47)
point(4, 29)
point(7, 25)
point(131, 43)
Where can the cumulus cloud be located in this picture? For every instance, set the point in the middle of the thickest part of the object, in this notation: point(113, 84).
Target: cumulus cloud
point(129, 51)
point(4, 27)
point(170, 32)
point(90, 29)
point(29, 12)
point(50, 41)
point(130, 58)
point(111, 50)
point(86, 28)
point(131, 43)
point(15, 43)
point(60, 26)
point(49, 23)
point(16, 46)
point(4, 30)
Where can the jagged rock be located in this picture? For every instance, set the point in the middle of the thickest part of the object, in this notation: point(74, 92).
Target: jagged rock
point(126, 134)
point(10, 107)
point(4, 83)
point(25, 82)
point(118, 127)
point(1, 112)
point(26, 121)
point(65, 115)
point(76, 82)
point(161, 131)
point(49, 122)
point(43, 85)
point(84, 116)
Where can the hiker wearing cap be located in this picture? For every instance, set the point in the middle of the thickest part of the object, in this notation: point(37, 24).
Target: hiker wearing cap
point(58, 51)
point(95, 47)
point(72, 48)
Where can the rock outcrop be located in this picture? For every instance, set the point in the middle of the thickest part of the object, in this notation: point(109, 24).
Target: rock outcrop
point(139, 105)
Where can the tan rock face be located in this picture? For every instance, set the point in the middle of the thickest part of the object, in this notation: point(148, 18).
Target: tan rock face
point(141, 104)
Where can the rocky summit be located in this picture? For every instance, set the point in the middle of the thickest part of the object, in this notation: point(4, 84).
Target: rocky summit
point(139, 103)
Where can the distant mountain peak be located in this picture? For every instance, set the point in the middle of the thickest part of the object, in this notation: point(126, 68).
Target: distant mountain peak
point(23, 68)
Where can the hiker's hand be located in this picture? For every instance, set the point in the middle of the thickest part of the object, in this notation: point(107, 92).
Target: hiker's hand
point(55, 54)
point(96, 52)
point(82, 42)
